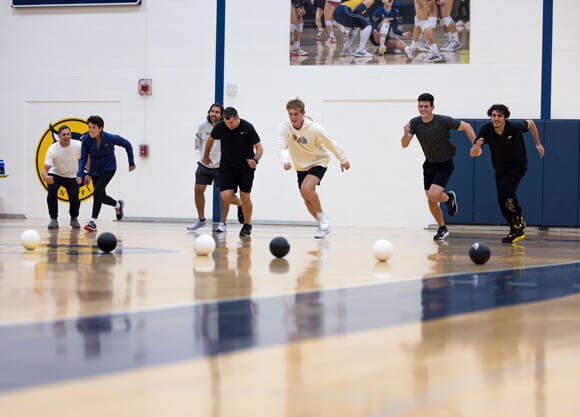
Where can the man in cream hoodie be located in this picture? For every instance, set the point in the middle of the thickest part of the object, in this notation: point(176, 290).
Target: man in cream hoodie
point(305, 145)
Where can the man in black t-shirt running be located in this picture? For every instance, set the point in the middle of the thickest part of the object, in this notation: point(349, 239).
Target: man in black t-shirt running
point(510, 162)
point(241, 150)
point(432, 130)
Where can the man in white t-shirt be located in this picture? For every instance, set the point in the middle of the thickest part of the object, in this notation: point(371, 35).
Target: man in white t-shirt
point(206, 174)
point(60, 169)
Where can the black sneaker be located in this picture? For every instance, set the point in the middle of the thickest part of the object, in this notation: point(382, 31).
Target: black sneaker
point(514, 236)
point(246, 230)
point(119, 211)
point(442, 233)
point(91, 226)
point(452, 203)
point(519, 223)
point(241, 215)
point(53, 224)
point(74, 223)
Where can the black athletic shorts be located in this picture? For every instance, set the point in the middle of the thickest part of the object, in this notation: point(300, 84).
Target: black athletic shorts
point(437, 173)
point(231, 178)
point(318, 171)
point(205, 175)
point(319, 4)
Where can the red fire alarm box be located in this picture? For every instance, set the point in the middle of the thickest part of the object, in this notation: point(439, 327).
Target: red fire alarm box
point(145, 86)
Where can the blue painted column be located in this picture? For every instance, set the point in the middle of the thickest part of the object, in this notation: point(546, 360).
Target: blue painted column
point(220, 29)
point(547, 33)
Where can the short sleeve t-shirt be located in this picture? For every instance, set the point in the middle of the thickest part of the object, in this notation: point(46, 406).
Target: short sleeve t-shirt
point(507, 149)
point(64, 161)
point(434, 136)
point(237, 145)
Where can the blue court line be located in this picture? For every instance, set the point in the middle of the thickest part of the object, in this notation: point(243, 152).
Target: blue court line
point(61, 350)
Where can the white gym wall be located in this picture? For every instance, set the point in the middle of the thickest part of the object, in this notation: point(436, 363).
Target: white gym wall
point(72, 62)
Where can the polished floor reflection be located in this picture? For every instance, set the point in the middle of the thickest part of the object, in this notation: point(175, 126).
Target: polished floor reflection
point(152, 329)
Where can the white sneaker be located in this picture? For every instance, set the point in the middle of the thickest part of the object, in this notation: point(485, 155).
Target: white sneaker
point(382, 50)
point(422, 47)
point(433, 58)
point(221, 228)
point(298, 52)
point(197, 225)
point(451, 46)
point(410, 51)
point(362, 53)
point(346, 52)
point(324, 223)
point(320, 234)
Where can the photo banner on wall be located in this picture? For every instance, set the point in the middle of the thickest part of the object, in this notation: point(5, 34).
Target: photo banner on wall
point(54, 3)
point(379, 32)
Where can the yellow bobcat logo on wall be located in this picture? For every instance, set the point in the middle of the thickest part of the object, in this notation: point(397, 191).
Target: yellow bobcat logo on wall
point(78, 128)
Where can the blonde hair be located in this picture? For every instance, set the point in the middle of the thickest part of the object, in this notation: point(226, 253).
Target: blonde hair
point(295, 104)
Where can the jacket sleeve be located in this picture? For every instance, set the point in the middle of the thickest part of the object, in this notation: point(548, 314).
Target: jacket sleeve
point(121, 141)
point(331, 145)
point(83, 158)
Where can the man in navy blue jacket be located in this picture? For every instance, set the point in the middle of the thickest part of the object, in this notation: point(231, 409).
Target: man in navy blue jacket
point(98, 148)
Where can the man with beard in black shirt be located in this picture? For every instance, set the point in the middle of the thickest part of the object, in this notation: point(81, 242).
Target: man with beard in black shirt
point(510, 162)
